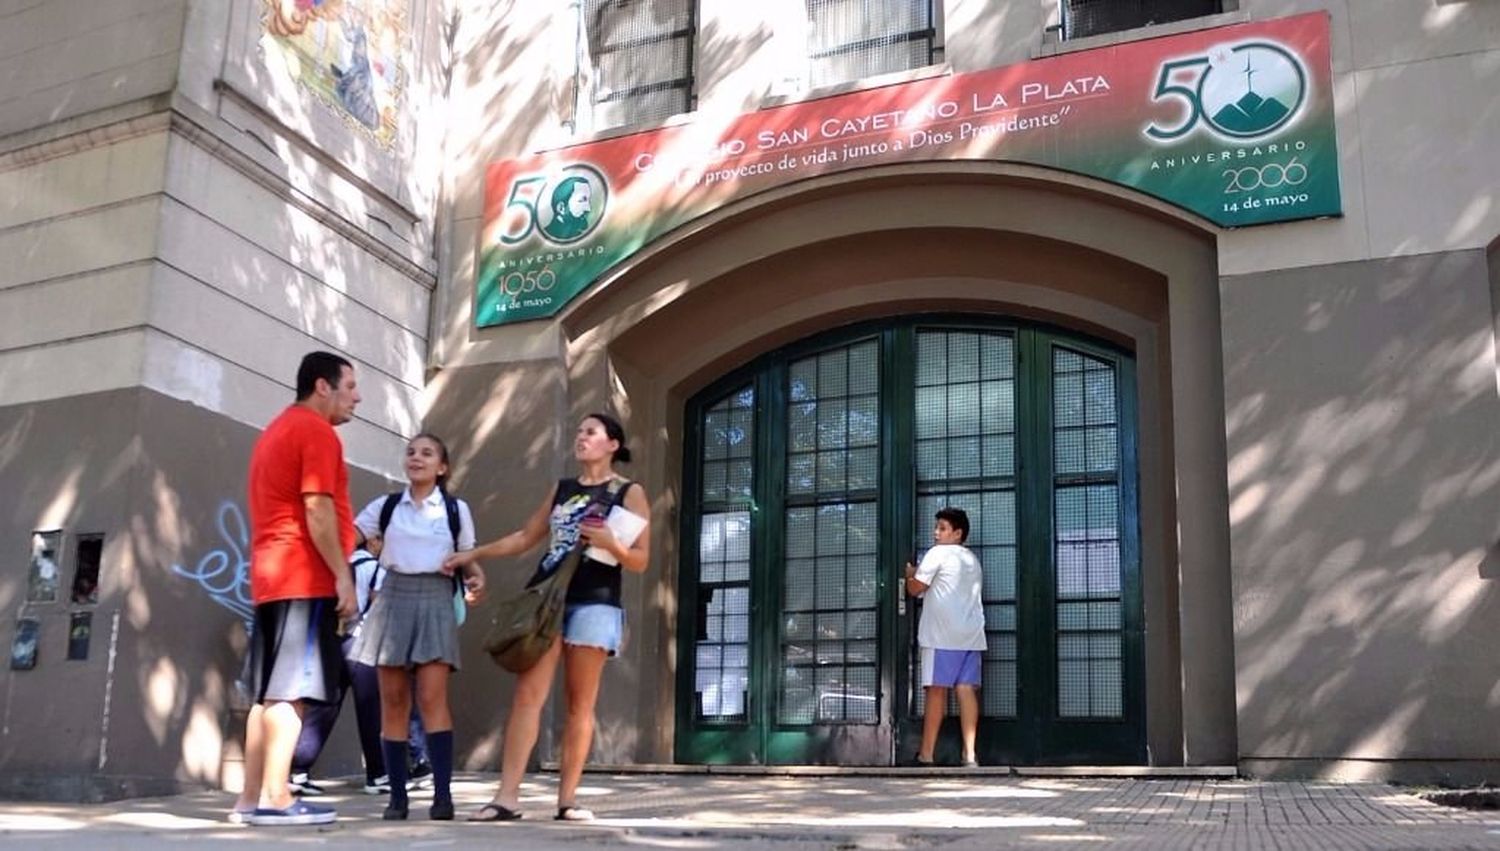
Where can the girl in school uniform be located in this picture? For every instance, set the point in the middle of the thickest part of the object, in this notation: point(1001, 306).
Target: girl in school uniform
point(412, 625)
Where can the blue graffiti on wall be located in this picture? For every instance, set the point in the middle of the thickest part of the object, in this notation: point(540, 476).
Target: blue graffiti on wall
point(224, 574)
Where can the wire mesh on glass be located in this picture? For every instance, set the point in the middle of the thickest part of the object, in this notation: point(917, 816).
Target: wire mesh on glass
point(1086, 520)
point(829, 640)
point(852, 39)
point(965, 427)
point(722, 652)
point(642, 55)
point(1083, 18)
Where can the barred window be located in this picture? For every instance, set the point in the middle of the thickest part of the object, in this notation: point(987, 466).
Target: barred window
point(1083, 18)
point(851, 39)
point(640, 55)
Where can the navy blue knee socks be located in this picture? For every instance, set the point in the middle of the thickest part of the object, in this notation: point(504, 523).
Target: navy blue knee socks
point(395, 769)
point(440, 752)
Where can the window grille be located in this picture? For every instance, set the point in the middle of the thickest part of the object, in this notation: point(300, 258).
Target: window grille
point(965, 429)
point(852, 39)
point(722, 666)
point(1090, 605)
point(641, 59)
point(1083, 18)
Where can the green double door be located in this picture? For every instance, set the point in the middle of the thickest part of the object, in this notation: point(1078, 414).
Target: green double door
point(812, 476)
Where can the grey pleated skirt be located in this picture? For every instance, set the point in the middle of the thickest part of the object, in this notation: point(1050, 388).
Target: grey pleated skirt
point(410, 623)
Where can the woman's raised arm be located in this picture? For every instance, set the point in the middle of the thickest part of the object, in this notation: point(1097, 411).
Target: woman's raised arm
point(531, 533)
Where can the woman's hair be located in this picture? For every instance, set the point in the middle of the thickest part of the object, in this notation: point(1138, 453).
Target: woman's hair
point(442, 480)
point(614, 431)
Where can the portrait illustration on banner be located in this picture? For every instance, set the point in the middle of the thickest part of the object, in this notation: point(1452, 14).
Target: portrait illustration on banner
point(351, 54)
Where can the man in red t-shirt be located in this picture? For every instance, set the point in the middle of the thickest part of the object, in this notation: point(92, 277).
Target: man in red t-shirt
point(301, 527)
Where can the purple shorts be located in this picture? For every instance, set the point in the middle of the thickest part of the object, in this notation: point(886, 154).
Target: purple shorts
point(948, 668)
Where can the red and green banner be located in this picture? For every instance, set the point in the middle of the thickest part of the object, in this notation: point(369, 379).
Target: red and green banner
point(1234, 123)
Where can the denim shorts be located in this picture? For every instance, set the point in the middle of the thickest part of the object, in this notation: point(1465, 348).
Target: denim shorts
point(594, 625)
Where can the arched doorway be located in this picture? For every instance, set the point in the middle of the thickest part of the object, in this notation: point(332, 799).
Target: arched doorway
point(811, 475)
point(994, 248)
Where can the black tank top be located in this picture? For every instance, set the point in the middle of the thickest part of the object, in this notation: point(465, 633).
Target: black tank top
point(594, 581)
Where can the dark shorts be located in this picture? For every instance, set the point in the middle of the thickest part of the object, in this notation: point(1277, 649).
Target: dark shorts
point(295, 651)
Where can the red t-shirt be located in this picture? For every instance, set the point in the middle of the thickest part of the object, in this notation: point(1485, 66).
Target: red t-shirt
point(298, 453)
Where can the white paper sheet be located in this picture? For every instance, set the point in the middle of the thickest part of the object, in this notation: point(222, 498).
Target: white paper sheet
point(626, 526)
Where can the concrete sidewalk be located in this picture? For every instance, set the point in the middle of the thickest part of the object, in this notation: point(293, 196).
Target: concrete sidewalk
point(696, 811)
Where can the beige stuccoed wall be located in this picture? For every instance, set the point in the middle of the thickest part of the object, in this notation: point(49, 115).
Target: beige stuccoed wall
point(1363, 508)
point(1361, 412)
point(180, 223)
point(1492, 256)
point(1414, 90)
point(79, 231)
point(61, 60)
point(153, 708)
point(81, 163)
point(187, 218)
point(298, 229)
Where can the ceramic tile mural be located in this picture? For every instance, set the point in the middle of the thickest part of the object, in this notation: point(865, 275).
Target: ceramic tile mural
point(351, 54)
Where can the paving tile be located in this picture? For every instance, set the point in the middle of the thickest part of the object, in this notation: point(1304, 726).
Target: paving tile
point(791, 813)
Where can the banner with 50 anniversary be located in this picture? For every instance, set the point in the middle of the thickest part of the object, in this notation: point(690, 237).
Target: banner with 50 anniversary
point(1234, 123)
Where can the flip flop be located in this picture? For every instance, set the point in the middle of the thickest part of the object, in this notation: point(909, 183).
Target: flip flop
point(494, 812)
point(571, 813)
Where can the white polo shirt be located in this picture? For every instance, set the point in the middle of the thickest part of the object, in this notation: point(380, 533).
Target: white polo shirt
point(418, 538)
point(953, 605)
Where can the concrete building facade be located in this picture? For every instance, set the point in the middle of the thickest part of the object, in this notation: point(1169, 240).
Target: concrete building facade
point(1301, 496)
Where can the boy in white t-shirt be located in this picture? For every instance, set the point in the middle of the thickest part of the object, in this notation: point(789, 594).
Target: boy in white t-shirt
point(950, 582)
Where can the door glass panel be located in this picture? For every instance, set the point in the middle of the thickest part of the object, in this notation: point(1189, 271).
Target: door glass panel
point(1086, 527)
point(722, 651)
point(964, 424)
point(789, 657)
point(829, 658)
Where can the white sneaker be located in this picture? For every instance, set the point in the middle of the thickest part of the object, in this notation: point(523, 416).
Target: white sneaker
point(421, 777)
point(379, 786)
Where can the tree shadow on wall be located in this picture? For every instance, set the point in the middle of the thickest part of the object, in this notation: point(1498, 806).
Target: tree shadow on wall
point(1364, 473)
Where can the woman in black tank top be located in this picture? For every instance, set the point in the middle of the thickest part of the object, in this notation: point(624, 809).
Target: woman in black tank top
point(571, 521)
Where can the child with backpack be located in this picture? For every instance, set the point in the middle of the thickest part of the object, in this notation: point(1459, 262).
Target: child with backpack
point(318, 719)
point(413, 623)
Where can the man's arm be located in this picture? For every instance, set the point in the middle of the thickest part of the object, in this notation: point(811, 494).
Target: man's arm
point(323, 526)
